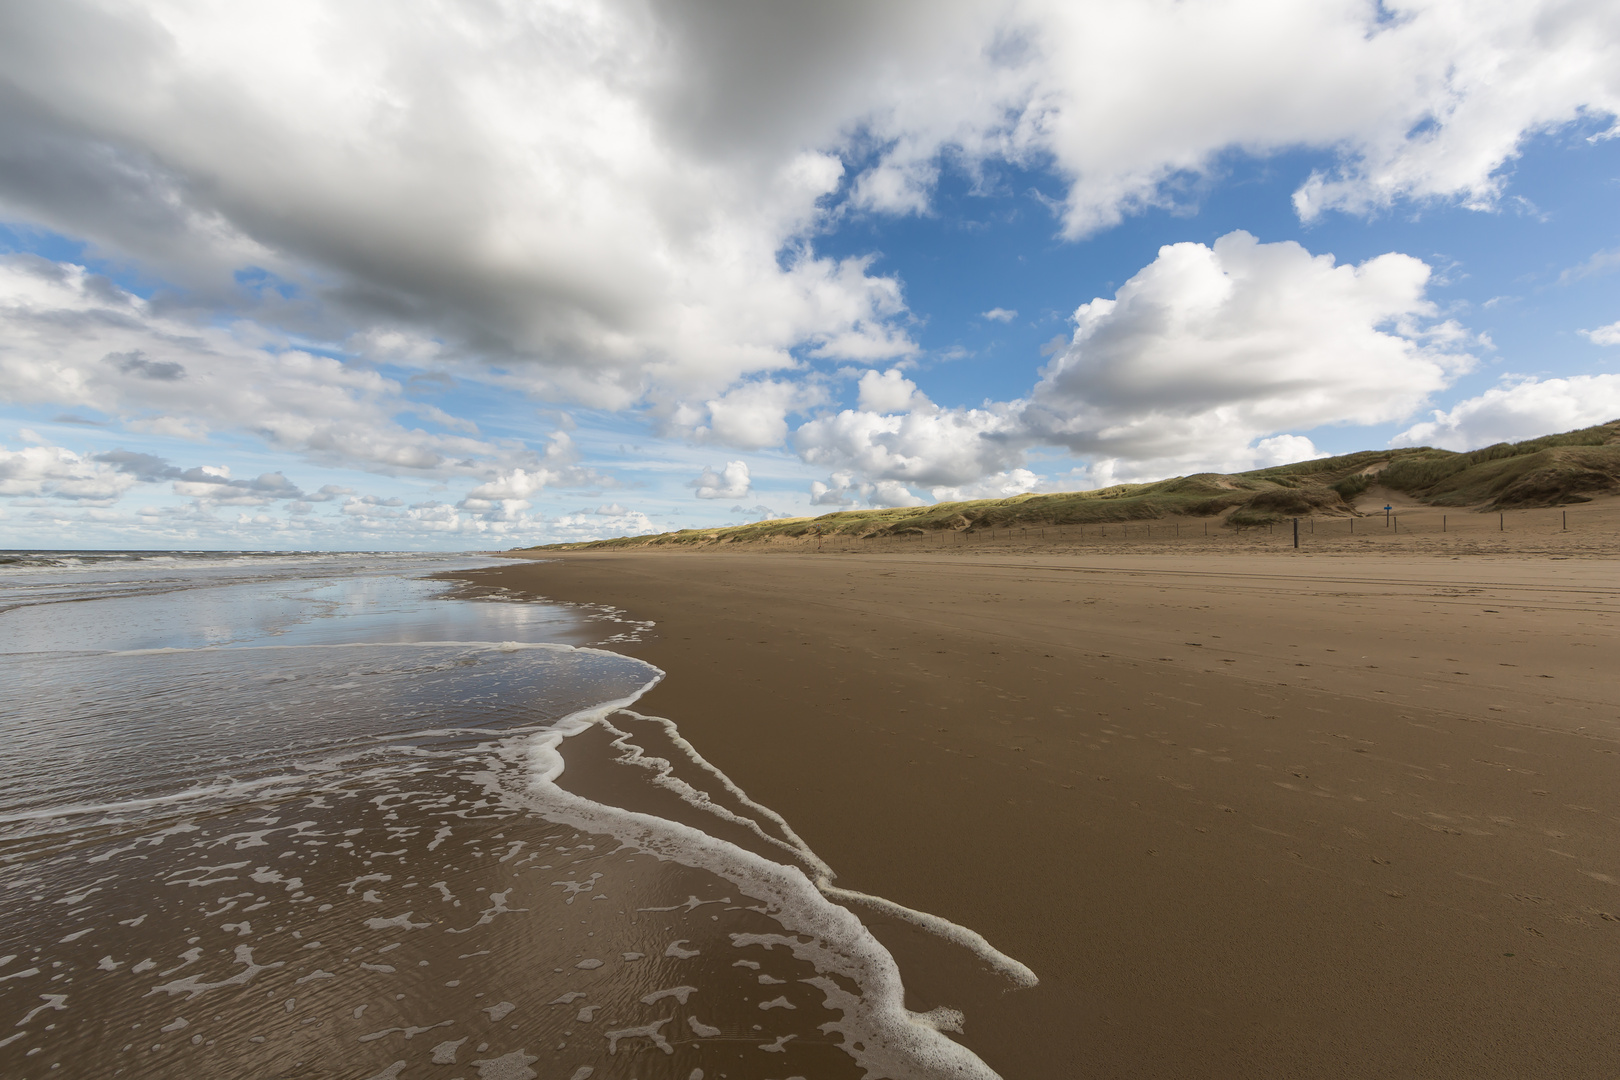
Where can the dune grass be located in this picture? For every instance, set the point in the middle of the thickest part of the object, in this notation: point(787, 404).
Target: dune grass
point(1547, 471)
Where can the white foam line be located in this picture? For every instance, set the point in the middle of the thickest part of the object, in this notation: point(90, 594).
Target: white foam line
point(954, 932)
point(663, 776)
point(971, 940)
point(892, 1040)
point(547, 759)
point(800, 847)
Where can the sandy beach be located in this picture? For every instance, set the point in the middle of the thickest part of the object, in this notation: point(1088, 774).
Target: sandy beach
point(1350, 811)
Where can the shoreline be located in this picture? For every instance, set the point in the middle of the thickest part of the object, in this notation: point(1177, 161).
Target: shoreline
point(1217, 859)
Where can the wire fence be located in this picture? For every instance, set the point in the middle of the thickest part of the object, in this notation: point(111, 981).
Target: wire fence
point(1301, 532)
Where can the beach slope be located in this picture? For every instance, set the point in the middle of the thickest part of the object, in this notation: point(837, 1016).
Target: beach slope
point(1254, 814)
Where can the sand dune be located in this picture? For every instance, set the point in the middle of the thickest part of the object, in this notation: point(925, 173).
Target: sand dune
point(1575, 468)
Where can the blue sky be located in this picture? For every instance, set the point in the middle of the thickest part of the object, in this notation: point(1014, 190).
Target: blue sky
point(591, 270)
point(980, 251)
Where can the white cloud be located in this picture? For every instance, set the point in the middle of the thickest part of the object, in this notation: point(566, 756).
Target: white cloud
point(760, 512)
point(1207, 349)
point(390, 519)
point(731, 482)
point(893, 493)
point(1519, 409)
point(1003, 485)
point(889, 392)
point(999, 314)
point(1284, 450)
point(44, 471)
point(1203, 360)
point(599, 524)
point(842, 489)
point(584, 193)
point(213, 485)
point(1421, 99)
point(598, 197)
point(1604, 335)
point(932, 447)
point(513, 486)
point(754, 415)
point(619, 205)
point(71, 338)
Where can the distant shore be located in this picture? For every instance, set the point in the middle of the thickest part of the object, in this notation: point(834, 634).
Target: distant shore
point(1248, 813)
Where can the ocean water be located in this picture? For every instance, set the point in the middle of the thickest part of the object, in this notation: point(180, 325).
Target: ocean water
point(304, 815)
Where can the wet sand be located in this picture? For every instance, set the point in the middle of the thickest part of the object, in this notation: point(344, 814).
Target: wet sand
point(1348, 812)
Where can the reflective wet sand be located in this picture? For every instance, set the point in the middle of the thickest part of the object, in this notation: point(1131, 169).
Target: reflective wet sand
point(313, 837)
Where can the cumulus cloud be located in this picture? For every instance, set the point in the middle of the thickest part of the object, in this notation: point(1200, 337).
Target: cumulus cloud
point(393, 521)
point(843, 489)
point(619, 206)
point(840, 489)
point(146, 467)
point(893, 493)
point(1203, 360)
point(1207, 349)
point(557, 467)
point(70, 337)
point(749, 417)
point(930, 447)
point(598, 524)
point(507, 493)
point(43, 471)
point(760, 512)
point(101, 479)
point(213, 484)
point(889, 392)
point(730, 482)
point(619, 200)
point(1520, 408)
point(595, 211)
point(1604, 335)
point(1003, 485)
point(999, 314)
point(1284, 450)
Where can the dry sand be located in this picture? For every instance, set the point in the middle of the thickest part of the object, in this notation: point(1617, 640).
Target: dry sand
point(1246, 812)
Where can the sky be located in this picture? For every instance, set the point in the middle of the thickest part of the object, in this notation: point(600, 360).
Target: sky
point(406, 275)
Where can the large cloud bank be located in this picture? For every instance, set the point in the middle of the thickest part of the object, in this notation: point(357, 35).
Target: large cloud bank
point(616, 205)
point(1520, 408)
point(616, 199)
point(1195, 362)
point(1209, 348)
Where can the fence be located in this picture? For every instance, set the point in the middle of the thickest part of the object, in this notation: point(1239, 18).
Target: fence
point(1299, 532)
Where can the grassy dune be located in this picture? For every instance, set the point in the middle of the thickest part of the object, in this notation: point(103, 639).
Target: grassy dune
point(1550, 471)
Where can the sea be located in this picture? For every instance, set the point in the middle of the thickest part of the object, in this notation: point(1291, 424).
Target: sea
point(272, 814)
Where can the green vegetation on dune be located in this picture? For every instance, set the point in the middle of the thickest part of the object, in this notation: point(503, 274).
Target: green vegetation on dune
point(1554, 469)
point(1548, 471)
